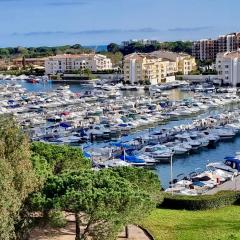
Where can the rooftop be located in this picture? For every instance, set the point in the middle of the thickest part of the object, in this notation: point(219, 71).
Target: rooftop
point(75, 56)
point(235, 54)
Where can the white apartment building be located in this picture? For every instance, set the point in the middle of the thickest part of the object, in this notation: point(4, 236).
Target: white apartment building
point(228, 67)
point(69, 62)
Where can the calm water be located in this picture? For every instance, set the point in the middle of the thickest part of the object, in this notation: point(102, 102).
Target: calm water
point(185, 164)
point(49, 86)
point(190, 163)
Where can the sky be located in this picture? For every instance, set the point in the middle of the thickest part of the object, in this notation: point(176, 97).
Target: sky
point(97, 22)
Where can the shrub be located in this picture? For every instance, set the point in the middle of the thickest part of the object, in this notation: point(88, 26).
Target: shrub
point(147, 82)
point(202, 202)
point(57, 219)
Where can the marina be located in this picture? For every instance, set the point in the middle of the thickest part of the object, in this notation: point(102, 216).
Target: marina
point(118, 121)
point(142, 128)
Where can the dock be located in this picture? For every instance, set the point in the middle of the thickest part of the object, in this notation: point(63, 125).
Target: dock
point(233, 185)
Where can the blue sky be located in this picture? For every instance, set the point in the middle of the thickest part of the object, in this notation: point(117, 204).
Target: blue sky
point(96, 22)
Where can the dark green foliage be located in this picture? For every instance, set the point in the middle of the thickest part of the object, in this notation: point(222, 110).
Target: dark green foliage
point(33, 52)
point(9, 201)
point(104, 200)
point(15, 150)
point(58, 158)
point(57, 219)
point(178, 46)
point(27, 71)
point(194, 72)
point(210, 72)
point(142, 179)
point(111, 71)
point(17, 177)
point(116, 58)
point(147, 82)
point(113, 47)
point(202, 202)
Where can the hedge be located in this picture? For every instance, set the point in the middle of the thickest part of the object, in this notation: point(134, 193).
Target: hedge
point(201, 202)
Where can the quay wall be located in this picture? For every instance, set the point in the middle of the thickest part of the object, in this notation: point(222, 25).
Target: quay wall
point(197, 78)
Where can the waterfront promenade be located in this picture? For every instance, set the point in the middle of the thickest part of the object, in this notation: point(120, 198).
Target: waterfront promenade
point(229, 185)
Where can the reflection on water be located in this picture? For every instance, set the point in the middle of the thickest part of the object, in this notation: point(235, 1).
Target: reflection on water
point(49, 86)
point(174, 94)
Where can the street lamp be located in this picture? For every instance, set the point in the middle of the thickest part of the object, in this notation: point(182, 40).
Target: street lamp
point(171, 162)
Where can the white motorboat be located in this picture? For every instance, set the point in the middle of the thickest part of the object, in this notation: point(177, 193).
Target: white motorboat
point(114, 163)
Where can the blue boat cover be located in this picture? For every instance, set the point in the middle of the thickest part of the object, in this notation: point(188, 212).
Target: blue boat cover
point(234, 160)
point(120, 144)
point(65, 125)
point(199, 184)
point(132, 159)
point(122, 125)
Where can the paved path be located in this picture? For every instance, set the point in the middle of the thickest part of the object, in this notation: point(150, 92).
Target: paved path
point(68, 233)
point(229, 185)
point(134, 233)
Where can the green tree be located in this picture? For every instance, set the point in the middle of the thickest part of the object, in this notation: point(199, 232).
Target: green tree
point(113, 48)
point(17, 177)
point(9, 201)
point(59, 158)
point(195, 72)
point(102, 201)
point(15, 149)
point(116, 58)
point(142, 178)
point(88, 73)
point(4, 53)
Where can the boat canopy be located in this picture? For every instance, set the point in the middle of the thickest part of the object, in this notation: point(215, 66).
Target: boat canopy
point(65, 125)
point(131, 159)
point(233, 162)
point(123, 125)
point(119, 144)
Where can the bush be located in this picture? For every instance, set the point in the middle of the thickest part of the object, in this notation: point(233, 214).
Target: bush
point(147, 82)
point(57, 219)
point(202, 202)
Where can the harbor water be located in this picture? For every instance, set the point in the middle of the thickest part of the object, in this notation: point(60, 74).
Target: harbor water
point(181, 165)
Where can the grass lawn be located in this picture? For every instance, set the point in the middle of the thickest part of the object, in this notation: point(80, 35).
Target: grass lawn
point(219, 224)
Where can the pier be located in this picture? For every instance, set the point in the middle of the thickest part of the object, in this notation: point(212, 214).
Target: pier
point(233, 185)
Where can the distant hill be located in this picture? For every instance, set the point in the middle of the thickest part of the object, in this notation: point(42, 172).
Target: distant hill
point(33, 52)
point(99, 48)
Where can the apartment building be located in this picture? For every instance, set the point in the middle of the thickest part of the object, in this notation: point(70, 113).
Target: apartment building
point(184, 62)
point(207, 49)
point(155, 67)
point(228, 67)
point(142, 67)
point(68, 62)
